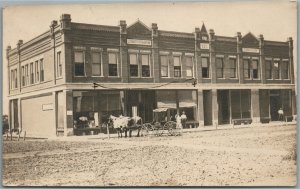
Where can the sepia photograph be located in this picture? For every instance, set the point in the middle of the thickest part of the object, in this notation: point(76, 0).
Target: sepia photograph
point(174, 94)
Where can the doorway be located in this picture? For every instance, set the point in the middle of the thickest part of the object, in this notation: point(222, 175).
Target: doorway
point(275, 105)
point(207, 107)
point(224, 111)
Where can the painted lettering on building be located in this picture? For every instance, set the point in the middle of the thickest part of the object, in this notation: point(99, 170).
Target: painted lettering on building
point(139, 42)
point(250, 50)
point(204, 46)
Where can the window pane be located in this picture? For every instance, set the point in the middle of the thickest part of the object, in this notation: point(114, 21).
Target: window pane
point(113, 70)
point(112, 58)
point(96, 58)
point(189, 71)
point(219, 62)
point(145, 71)
point(96, 69)
point(79, 69)
point(246, 64)
point(164, 71)
point(254, 64)
point(189, 61)
point(177, 71)
point(205, 73)
point(176, 60)
point(78, 56)
point(145, 59)
point(134, 70)
point(164, 61)
point(219, 73)
point(232, 63)
point(276, 70)
point(204, 62)
point(285, 70)
point(133, 59)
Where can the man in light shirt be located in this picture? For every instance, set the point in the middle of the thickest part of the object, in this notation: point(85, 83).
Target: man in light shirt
point(280, 114)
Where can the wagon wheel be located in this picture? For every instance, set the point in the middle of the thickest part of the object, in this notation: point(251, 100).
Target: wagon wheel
point(171, 127)
point(157, 129)
point(145, 129)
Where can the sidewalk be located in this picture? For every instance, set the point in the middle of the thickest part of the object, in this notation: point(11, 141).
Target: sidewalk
point(199, 129)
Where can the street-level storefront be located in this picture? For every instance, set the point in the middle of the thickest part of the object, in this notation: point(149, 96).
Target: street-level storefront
point(93, 108)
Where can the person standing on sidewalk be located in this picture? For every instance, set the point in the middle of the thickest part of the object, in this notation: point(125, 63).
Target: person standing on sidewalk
point(280, 115)
point(183, 119)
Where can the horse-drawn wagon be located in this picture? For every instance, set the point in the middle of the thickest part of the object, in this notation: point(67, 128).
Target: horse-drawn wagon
point(162, 124)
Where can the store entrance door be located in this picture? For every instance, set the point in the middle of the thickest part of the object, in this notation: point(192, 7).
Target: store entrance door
point(275, 105)
point(224, 111)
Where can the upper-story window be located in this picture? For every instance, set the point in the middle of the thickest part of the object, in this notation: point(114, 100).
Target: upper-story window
point(205, 67)
point(96, 64)
point(23, 76)
point(250, 69)
point(27, 75)
point(276, 69)
point(37, 71)
point(145, 65)
point(79, 63)
point(268, 64)
point(232, 67)
point(220, 67)
point(189, 66)
point(134, 65)
point(254, 67)
point(14, 79)
point(42, 70)
point(113, 64)
point(59, 64)
point(164, 66)
point(177, 66)
point(31, 73)
point(285, 70)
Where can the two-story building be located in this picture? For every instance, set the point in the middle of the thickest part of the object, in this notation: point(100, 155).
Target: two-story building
point(78, 71)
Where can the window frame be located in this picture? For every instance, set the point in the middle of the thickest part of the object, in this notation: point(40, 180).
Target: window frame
point(269, 71)
point(117, 64)
point(37, 71)
point(31, 75)
point(137, 69)
point(168, 66)
point(248, 61)
point(93, 63)
point(23, 75)
point(208, 67)
point(180, 65)
point(287, 63)
point(234, 69)
point(58, 65)
point(149, 64)
point(222, 68)
point(193, 66)
point(83, 59)
point(278, 69)
point(252, 70)
point(42, 70)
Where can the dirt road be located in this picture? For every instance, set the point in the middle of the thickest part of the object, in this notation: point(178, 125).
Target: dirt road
point(258, 156)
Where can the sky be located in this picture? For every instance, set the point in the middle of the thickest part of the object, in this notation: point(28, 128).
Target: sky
point(275, 19)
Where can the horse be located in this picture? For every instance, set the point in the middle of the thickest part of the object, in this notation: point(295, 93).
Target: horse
point(123, 123)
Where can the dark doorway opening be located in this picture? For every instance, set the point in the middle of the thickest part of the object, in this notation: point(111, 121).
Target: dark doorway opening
point(224, 107)
point(207, 107)
point(275, 104)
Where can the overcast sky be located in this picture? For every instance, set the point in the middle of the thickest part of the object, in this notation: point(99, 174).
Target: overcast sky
point(276, 20)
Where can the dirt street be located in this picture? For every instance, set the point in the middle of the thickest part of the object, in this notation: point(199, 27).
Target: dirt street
point(255, 156)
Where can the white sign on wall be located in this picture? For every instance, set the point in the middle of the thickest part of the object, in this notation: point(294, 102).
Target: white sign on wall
point(204, 45)
point(138, 42)
point(46, 107)
point(250, 50)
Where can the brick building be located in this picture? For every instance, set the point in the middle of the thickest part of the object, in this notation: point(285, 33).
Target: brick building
point(214, 79)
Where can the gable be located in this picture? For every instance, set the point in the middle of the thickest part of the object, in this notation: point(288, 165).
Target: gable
point(138, 30)
point(250, 39)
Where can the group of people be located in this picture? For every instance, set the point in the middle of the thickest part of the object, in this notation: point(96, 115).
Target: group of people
point(180, 120)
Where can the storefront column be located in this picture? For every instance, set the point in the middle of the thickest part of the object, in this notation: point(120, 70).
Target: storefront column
point(215, 108)
point(20, 114)
point(68, 122)
point(200, 108)
point(255, 110)
point(294, 104)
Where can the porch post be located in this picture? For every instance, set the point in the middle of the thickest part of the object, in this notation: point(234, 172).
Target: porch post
point(68, 112)
point(255, 110)
point(215, 108)
point(200, 108)
point(294, 104)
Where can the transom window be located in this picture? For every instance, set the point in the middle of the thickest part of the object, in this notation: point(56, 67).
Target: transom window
point(96, 64)
point(177, 66)
point(113, 64)
point(79, 63)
